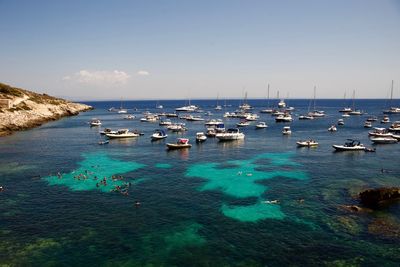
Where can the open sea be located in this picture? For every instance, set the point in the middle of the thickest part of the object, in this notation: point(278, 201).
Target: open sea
point(204, 206)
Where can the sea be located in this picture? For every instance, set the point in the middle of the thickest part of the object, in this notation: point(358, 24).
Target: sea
point(262, 201)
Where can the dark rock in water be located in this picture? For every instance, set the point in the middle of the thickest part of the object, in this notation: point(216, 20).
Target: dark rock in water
point(355, 208)
point(377, 197)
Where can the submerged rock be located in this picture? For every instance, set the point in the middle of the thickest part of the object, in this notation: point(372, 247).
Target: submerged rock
point(385, 227)
point(374, 198)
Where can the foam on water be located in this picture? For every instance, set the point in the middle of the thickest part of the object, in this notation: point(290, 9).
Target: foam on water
point(95, 167)
point(240, 179)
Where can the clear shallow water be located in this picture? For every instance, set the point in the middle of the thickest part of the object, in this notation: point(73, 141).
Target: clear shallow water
point(201, 207)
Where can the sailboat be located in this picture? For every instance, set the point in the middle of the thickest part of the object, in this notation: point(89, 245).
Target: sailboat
point(121, 109)
point(316, 113)
point(281, 103)
point(189, 108)
point(355, 111)
point(218, 106)
point(345, 109)
point(308, 116)
point(392, 110)
point(158, 106)
point(245, 106)
point(268, 109)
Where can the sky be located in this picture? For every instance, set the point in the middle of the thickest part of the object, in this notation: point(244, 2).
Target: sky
point(167, 49)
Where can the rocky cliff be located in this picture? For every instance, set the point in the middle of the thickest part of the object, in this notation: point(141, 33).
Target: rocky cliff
point(22, 109)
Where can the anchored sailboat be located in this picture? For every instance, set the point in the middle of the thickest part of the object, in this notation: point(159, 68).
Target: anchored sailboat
point(268, 109)
point(392, 110)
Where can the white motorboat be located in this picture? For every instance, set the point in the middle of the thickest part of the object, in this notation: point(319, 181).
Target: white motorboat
point(384, 140)
point(122, 133)
point(95, 122)
point(317, 114)
point(395, 127)
point(332, 128)
point(284, 118)
point(129, 117)
point(122, 111)
point(158, 135)
point(346, 110)
point(180, 143)
point(261, 125)
point(282, 104)
point(351, 145)
point(211, 132)
point(277, 113)
point(194, 118)
point(171, 115)
point(385, 119)
point(107, 131)
point(165, 122)
point(346, 115)
point(149, 118)
point(177, 127)
point(372, 118)
point(267, 110)
point(189, 108)
point(306, 117)
point(367, 124)
point(213, 122)
point(218, 107)
point(286, 130)
point(356, 112)
point(200, 137)
point(243, 123)
point(307, 143)
point(340, 122)
point(380, 132)
point(396, 136)
point(252, 117)
point(230, 134)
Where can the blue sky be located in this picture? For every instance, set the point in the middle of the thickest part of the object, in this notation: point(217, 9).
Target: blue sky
point(198, 49)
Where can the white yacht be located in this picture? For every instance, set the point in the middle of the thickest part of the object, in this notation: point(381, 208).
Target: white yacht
point(129, 117)
point(194, 118)
point(230, 134)
point(200, 137)
point(385, 119)
point(392, 110)
point(284, 118)
point(332, 128)
point(380, 132)
point(149, 118)
point(395, 127)
point(367, 124)
point(189, 108)
point(346, 115)
point(158, 135)
point(351, 145)
point(243, 123)
point(177, 127)
point(95, 122)
point(282, 104)
point(165, 122)
point(252, 117)
point(384, 140)
point(261, 125)
point(122, 133)
point(286, 130)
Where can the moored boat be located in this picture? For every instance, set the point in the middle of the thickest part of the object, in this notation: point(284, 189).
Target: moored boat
point(332, 128)
point(158, 135)
point(286, 130)
point(200, 137)
point(307, 143)
point(230, 134)
point(384, 140)
point(122, 133)
point(95, 122)
point(261, 125)
point(180, 144)
point(351, 145)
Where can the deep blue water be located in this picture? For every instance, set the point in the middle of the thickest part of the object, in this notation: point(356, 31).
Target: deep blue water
point(199, 207)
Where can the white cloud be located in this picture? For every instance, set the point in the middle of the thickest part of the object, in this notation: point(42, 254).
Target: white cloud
point(99, 77)
point(143, 73)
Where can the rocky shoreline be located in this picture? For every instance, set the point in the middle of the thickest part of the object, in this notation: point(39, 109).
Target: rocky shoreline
point(27, 109)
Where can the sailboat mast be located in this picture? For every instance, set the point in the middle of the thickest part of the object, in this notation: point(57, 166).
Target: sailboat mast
point(391, 94)
point(268, 96)
point(315, 93)
point(354, 96)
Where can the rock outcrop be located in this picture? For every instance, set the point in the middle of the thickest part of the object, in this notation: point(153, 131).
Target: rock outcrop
point(27, 109)
point(374, 198)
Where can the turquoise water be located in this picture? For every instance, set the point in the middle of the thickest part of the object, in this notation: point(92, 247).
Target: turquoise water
point(259, 202)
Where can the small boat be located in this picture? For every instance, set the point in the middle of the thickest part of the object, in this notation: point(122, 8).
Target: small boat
point(395, 127)
point(307, 143)
point(332, 128)
point(380, 132)
point(368, 149)
point(95, 122)
point(158, 135)
point(372, 118)
point(385, 119)
point(177, 127)
point(317, 114)
point(367, 124)
point(340, 122)
point(122, 111)
point(286, 130)
point(346, 110)
point(261, 125)
point(194, 118)
point(180, 143)
point(396, 136)
point(346, 115)
point(267, 110)
point(243, 123)
point(149, 118)
point(129, 117)
point(165, 122)
point(200, 137)
point(211, 132)
point(123, 133)
point(384, 140)
point(229, 135)
point(252, 117)
point(282, 104)
point(105, 142)
point(351, 145)
point(306, 117)
point(171, 115)
point(218, 107)
point(213, 122)
point(284, 118)
point(356, 112)
point(107, 130)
